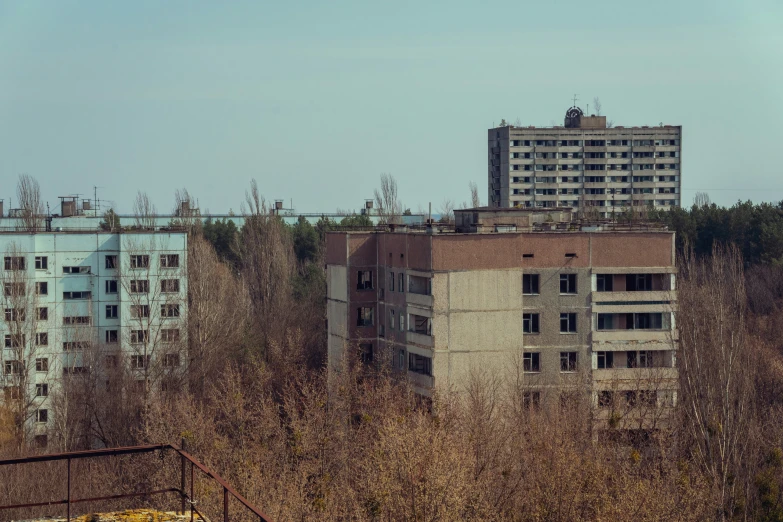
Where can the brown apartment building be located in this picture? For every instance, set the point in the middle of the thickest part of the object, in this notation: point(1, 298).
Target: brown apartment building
point(565, 306)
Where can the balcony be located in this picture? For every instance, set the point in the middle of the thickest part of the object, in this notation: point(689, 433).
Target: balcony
point(635, 374)
point(652, 295)
point(422, 300)
point(619, 338)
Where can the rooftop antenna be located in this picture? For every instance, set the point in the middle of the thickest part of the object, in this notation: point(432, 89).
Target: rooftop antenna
point(575, 98)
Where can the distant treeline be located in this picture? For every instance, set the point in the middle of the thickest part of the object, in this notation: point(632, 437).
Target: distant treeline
point(756, 229)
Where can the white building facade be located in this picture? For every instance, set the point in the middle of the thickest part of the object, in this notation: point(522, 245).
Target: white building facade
point(89, 303)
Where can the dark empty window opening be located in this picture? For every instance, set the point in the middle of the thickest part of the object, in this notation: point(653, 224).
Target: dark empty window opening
point(530, 284)
point(531, 362)
point(420, 324)
point(567, 283)
point(527, 255)
point(530, 323)
point(365, 353)
point(571, 254)
point(568, 322)
point(419, 285)
point(364, 316)
point(531, 400)
point(605, 360)
point(567, 361)
point(604, 282)
point(419, 364)
point(364, 281)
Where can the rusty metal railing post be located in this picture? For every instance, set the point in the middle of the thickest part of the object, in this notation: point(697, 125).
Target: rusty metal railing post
point(182, 476)
point(68, 496)
point(225, 504)
point(192, 498)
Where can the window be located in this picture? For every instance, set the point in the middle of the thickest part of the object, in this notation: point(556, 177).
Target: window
point(531, 362)
point(77, 295)
point(111, 261)
point(139, 336)
point(604, 282)
point(169, 260)
point(364, 280)
point(69, 346)
point(41, 415)
point(169, 286)
point(171, 360)
point(391, 319)
point(391, 281)
point(568, 322)
point(643, 359)
point(13, 367)
point(169, 310)
point(112, 336)
point(605, 399)
point(76, 270)
point(41, 390)
point(365, 353)
point(531, 400)
point(140, 286)
point(401, 282)
point(169, 335)
point(402, 322)
point(364, 316)
point(42, 339)
point(138, 311)
point(401, 360)
point(419, 324)
point(140, 261)
point(605, 360)
point(648, 397)
point(14, 341)
point(111, 286)
point(14, 289)
point(530, 284)
point(76, 319)
point(139, 362)
point(42, 364)
point(14, 263)
point(111, 311)
point(419, 364)
point(530, 323)
point(42, 288)
point(638, 282)
point(43, 313)
point(15, 314)
point(567, 283)
point(41, 262)
point(111, 361)
point(567, 361)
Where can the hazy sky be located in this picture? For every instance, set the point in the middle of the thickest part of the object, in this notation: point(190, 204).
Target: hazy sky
point(316, 99)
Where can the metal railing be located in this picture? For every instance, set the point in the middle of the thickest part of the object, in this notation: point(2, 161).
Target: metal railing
point(187, 498)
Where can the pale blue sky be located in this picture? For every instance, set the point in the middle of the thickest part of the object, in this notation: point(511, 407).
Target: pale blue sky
point(316, 100)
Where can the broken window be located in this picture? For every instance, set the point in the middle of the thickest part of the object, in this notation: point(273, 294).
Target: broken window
point(111, 311)
point(365, 353)
point(169, 286)
point(567, 283)
point(139, 336)
point(41, 262)
point(604, 282)
point(530, 324)
point(77, 295)
point(140, 261)
point(419, 285)
point(140, 286)
point(419, 324)
point(41, 288)
point(567, 361)
point(531, 400)
point(530, 284)
point(111, 261)
point(76, 270)
point(605, 399)
point(531, 362)
point(14, 289)
point(419, 364)
point(112, 336)
point(42, 364)
point(364, 280)
point(169, 260)
point(14, 263)
point(169, 335)
point(138, 311)
point(169, 310)
point(605, 360)
point(568, 322)
point(364, 316)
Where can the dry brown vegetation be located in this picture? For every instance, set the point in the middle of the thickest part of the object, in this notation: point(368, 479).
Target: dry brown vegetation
point(257, 409)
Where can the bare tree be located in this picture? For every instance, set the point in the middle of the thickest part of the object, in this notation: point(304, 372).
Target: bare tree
point(446, 210)
point(387, 200)
point(28, 193)
point(701, 199)
point(186, 210)
point(717, 368)
point(144, 210)
point(597, 104)
point(475, 200)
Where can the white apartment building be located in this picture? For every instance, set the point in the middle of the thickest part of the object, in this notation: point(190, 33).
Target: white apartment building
point(89, 303)
point(586, 165)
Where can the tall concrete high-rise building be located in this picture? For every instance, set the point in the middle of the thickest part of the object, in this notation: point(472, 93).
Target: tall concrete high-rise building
point(601, 170)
